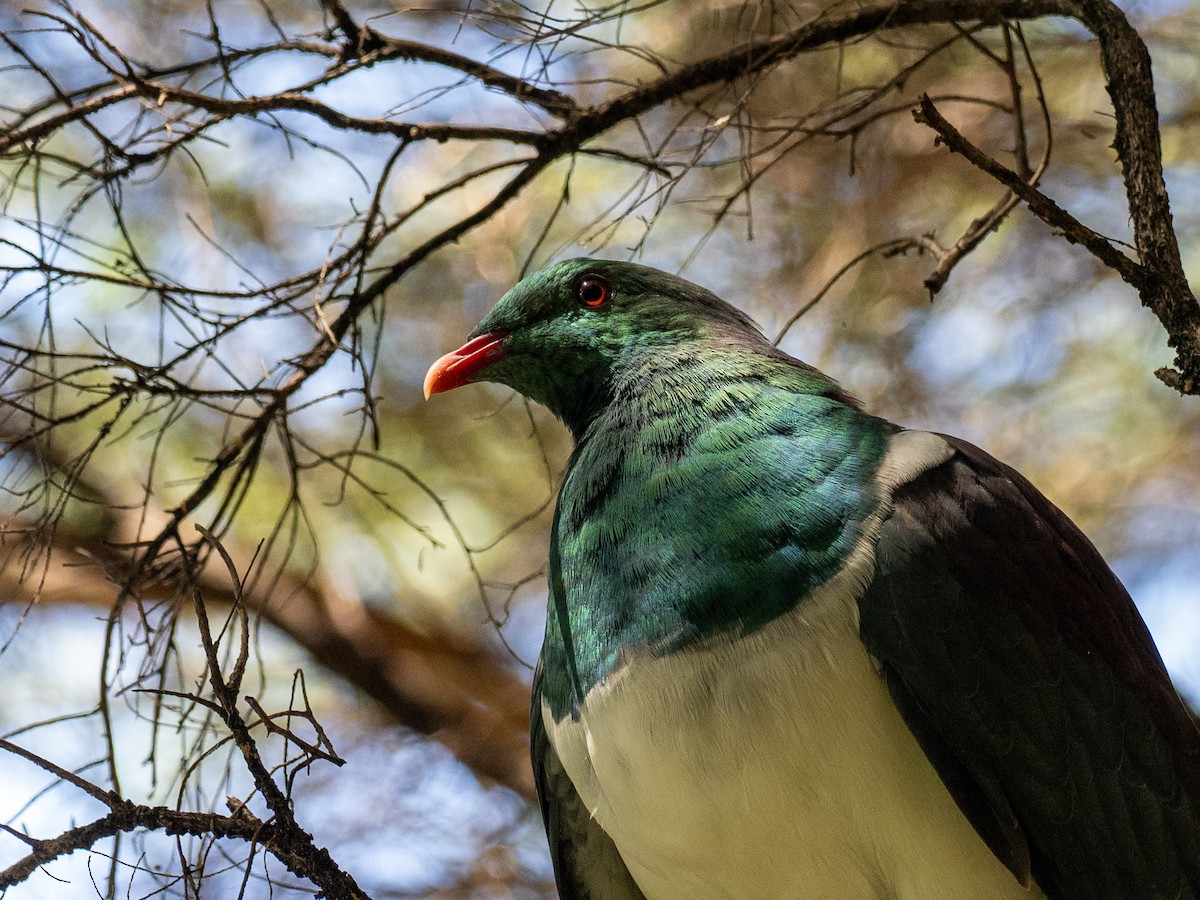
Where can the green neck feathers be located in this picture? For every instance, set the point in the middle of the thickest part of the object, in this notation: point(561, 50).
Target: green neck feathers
point(745, 478)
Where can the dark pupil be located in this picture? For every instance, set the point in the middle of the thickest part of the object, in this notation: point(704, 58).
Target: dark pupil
point(591, 291)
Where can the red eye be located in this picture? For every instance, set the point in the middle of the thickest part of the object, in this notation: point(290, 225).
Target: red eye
point(593, 291)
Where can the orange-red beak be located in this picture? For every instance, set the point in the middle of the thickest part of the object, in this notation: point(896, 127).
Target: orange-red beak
point(460, 366)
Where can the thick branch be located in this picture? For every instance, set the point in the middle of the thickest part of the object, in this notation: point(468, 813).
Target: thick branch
point(828, 29)
point(1139, 148)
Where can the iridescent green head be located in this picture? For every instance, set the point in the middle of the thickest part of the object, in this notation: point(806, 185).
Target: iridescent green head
point(562, 335)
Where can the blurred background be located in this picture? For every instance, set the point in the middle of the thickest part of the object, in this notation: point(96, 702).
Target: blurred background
point(228, 260)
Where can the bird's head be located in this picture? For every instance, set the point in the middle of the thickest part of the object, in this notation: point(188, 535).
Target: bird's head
point(563, 334)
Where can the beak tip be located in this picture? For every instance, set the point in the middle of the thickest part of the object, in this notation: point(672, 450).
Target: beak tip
point(434, 381)
point(460, 366)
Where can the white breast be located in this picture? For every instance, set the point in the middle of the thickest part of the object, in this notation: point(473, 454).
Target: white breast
point(776, 766)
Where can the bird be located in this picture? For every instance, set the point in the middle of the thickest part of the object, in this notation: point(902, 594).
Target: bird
point(793, 650)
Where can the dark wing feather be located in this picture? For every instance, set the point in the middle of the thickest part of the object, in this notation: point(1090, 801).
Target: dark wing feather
point(1023, 668)
point(587, 865)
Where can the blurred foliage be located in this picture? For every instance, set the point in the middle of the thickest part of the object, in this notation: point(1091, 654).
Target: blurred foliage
point(436, 515)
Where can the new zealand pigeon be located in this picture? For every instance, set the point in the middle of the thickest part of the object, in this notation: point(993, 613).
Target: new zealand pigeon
point(796, 651)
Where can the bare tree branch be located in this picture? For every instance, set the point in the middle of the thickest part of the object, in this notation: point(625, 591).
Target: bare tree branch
point(286, 840)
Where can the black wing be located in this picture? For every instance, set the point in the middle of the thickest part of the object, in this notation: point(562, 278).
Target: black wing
point(1023, 668)
point(587, 865)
